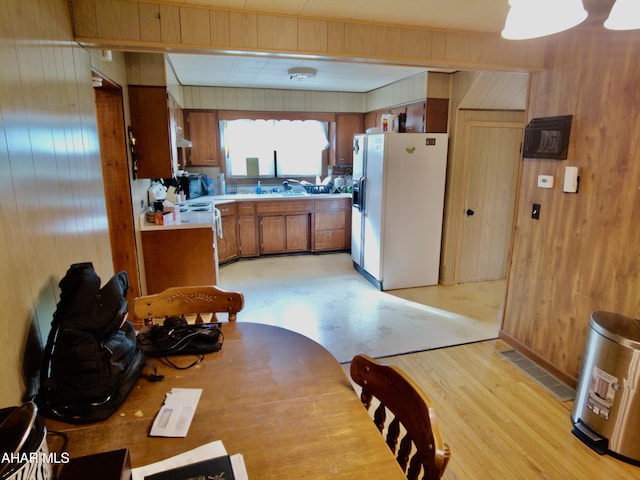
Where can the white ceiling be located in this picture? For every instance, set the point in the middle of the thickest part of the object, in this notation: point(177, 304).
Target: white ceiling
point(267, 72)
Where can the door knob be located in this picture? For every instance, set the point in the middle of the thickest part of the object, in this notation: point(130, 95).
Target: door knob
point(469, 212)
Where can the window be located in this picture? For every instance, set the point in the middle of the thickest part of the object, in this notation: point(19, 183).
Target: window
point(274, 148)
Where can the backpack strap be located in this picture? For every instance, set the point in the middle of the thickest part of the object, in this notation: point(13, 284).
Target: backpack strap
point(48, 351)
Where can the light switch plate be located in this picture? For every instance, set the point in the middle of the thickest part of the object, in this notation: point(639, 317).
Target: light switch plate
point(545, 181)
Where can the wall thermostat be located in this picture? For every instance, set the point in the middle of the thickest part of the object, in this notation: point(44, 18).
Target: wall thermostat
point(545, 181)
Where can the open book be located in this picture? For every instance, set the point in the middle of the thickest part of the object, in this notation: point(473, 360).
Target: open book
point(206, 461)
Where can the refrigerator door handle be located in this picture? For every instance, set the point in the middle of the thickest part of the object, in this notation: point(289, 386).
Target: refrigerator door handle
point(363, 191)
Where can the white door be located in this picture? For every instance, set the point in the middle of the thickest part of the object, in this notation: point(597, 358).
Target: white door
point(493, 157)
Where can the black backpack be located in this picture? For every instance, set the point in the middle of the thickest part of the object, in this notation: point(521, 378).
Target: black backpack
point(91, 361)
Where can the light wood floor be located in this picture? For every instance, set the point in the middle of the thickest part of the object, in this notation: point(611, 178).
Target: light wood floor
point(499, 423)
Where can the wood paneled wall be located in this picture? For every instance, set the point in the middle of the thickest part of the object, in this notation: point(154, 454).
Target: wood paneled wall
point(160, 25)
point(582, 254)
point(52, 210)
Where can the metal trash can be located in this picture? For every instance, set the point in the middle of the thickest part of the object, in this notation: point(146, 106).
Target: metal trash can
point(606, 411)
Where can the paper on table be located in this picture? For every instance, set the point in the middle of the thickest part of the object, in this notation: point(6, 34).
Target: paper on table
point(204, 452)
point(174, 418)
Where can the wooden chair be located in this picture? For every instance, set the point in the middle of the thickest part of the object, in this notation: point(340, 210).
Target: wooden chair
point(412, 417)
point(183, 301)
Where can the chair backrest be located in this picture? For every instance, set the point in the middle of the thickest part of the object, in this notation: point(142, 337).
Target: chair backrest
point(182, 301)
point(412, 419)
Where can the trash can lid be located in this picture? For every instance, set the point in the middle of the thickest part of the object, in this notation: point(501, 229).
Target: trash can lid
point(619, 328)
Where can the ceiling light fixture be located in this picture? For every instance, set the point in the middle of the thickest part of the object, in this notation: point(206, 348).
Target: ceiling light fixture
point(624, 15)
point(301, 73)
point(538, 18)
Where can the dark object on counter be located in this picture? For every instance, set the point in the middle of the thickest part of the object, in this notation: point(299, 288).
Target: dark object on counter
point(402, 122)
point(157, 205)
point(175, 339)
point(194, 186)
point(114, 465)
point(328, 188)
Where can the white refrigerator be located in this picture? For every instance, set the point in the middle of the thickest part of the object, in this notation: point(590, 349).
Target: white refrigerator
point(397, 207)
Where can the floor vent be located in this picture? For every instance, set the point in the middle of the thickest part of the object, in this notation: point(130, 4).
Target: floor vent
point(540, 375)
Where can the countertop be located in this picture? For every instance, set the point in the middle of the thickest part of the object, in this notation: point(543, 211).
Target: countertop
point(206, 219)
point(246, 197)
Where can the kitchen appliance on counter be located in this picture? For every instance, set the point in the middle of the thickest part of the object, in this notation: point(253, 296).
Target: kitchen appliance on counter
point(397, 207)
point(193, 185)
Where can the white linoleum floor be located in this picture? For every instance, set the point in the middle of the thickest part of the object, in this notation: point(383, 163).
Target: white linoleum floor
point(324, 298)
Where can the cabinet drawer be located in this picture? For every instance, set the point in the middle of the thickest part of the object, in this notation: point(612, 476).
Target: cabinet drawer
point(330, 220)
point(332, 204)
point(246, 208)
point(282, 207)
point(227, 209)
point(330, 240)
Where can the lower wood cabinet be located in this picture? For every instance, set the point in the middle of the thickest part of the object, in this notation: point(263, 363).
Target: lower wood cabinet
point(228, 242)
point(248, 237)
point(194, 267)
point(332, 224)
point(284, 233)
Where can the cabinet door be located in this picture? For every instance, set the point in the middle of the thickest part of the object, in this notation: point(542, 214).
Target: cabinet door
point(347, 125)
point(297, 227)
point(204, 136)
point(437, 115)
point(416, 117)
point(228, 244)
point(149, 111)
point(248, 234)
point(273, 237)
point(197, 268)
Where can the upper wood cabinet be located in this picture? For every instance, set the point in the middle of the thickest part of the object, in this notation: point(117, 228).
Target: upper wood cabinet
point(204, 133)
point(153, 121)
point(416, 116)
point(437, 115)
point(347, 125)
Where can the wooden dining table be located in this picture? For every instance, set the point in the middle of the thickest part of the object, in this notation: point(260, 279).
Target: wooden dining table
point(276, 397)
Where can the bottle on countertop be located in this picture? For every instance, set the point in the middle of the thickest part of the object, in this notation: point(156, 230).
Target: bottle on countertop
point(223, 185)
point(259, 188)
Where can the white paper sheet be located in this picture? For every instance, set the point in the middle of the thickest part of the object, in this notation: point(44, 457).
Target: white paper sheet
point(176, 414)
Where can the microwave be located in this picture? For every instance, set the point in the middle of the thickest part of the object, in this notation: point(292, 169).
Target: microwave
point(193, 185)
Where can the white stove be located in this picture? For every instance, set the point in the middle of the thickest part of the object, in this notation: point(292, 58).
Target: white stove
point(195, 207)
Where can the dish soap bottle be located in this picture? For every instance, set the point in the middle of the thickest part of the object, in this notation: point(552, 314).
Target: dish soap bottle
point(259, 188)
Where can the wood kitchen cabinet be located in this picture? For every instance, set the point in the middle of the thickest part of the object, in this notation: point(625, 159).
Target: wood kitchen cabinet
point(284, 226)
point(204, 134)
point(228, 243)
point(284, 233)
point(437, 115)
point(154, 113)
point(248, 237)
point(332, 224)
point(347, 125)
point(163, 269)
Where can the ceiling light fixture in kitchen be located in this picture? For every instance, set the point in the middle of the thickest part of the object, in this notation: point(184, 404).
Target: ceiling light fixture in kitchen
point(624, 15)
point(301, 73)
point(538, 18)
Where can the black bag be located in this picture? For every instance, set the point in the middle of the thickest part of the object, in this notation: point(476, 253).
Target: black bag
point(91, 360)
point(176, 337)
point(164, 341)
